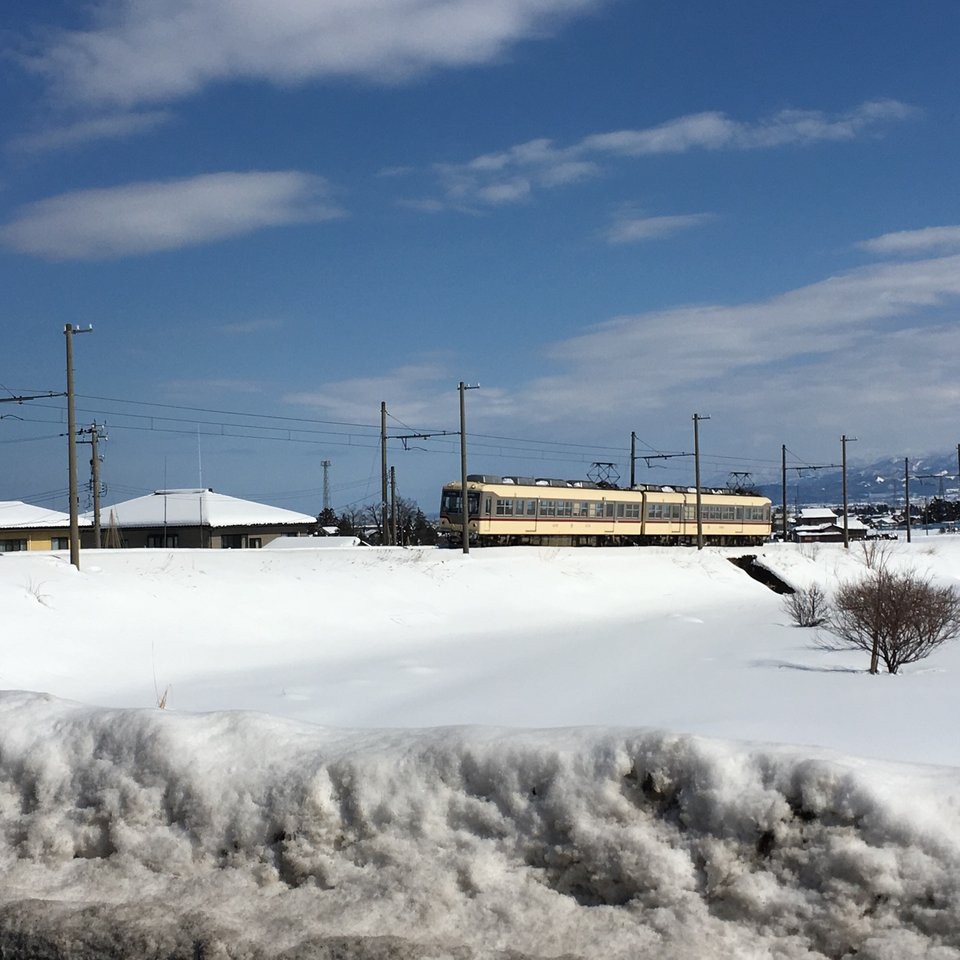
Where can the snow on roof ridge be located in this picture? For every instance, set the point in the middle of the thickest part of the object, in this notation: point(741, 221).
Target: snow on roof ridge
point(16, 514)
point(173, 490)
point(199, 506)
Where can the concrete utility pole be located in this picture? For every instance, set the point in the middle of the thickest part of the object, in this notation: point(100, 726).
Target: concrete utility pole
point(68, 331)
point(633, 459)
point(696, 459)
point(844, 440)
point(465, 518)
point(385, 535)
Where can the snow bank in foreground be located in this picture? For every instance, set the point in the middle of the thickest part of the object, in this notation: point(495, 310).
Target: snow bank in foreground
point(153, 834)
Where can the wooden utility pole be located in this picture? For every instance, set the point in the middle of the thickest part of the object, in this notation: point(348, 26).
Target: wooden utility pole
point(783, 487)
point(696, 459)
point(384, 527)
point(906, 493)
point(844, 440)
point(68, 331)
point(393, 506)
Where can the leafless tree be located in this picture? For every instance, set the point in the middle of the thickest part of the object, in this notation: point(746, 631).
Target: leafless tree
point(898, 617)
point(808, 606)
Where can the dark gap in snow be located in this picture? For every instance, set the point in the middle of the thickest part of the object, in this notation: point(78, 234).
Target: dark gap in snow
point(748, 563)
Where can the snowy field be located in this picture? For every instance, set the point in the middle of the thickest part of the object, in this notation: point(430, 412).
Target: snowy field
point(388, 753)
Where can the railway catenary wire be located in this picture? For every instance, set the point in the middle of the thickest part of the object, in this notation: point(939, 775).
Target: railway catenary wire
point(351, 434)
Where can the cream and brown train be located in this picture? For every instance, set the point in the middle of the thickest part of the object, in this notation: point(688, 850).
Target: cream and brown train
point(527, 510)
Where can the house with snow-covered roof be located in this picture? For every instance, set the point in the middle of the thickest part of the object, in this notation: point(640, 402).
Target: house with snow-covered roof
point(198, 518)
point(830, 531)
point(26, 527)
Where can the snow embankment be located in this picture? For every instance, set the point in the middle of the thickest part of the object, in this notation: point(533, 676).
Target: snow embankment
point(149, 834)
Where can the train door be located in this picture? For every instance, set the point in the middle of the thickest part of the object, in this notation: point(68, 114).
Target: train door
point(608, 509)
point(527, 522)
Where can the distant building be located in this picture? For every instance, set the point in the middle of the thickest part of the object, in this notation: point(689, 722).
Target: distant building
point(831, 531)
point(810, 516)
point(26, 527)
point(196, 518)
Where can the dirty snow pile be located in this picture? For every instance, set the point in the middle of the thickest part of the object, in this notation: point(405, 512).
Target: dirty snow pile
point(328, 825)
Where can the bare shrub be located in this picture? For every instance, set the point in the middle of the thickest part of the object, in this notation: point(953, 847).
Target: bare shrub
point(875, 554)
point(809, 550)
point(808, 606)
point(36, 591)
point(898, 617)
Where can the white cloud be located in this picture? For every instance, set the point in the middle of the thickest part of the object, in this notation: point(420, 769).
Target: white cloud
point(148, 217)
point(156, 50)
point(112, 127)
point(869, 351)
point(633, 228)
point(512, 175)
point(926, 240)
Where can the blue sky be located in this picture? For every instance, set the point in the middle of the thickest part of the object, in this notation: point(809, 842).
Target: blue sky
point(609, 214)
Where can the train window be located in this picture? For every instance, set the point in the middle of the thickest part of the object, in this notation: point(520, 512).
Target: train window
point(689, 511)
point(609, 508)
point(548, 508)
point(654, 511)
point(504, 508)
point(632, 511)
point(486, 505)
point(565, 508)
point(674, 511)
point(620, 509)
point(738, 513)
point(531, 508)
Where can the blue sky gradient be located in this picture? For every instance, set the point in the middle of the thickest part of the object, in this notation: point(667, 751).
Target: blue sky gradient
point(609, 214)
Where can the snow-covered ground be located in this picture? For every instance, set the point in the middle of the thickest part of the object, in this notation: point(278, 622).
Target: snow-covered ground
point(520, 753)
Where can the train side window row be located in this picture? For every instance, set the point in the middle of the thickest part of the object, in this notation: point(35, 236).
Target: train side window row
point(716, 513)
point(566, 508)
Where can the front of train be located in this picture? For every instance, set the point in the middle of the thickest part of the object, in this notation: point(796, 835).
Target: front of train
point(451, 512)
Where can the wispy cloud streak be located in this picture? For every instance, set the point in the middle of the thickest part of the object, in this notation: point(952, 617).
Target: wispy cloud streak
point(143, 218)
point(515, 174)
point(634, 228)
point(923, 241)
point(112, 127)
